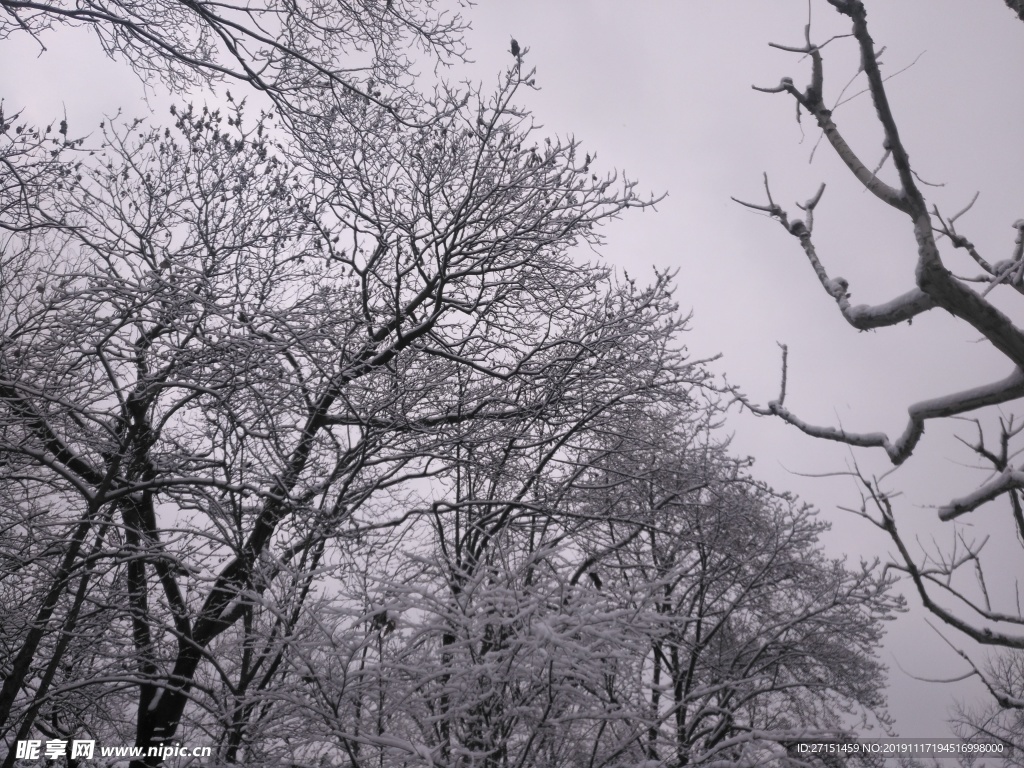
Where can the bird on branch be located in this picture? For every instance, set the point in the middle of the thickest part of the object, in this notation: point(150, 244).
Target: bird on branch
point(515, 48)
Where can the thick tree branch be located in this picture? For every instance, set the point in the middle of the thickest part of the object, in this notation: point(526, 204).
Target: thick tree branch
point(899, 450)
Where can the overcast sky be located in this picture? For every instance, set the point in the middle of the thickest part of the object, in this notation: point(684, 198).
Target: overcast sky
point(661, 90)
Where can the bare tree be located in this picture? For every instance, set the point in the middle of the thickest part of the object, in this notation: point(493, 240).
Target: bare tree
point(995, 720)
point(302, 55)
point(655, 606)
point(320, 445)
point(937, 282)
point(741, 653)
point(217, 364)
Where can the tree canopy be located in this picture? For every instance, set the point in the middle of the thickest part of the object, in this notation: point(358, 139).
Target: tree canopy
point(321, 445)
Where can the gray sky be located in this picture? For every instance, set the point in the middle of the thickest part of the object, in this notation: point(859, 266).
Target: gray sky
point(662, 91)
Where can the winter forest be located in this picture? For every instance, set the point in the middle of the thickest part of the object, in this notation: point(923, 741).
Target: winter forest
point(334, 433)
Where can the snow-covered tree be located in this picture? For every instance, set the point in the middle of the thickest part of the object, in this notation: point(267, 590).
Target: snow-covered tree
point(654, 607)
point(752, 638)
point(218, 362)
point(303, 55)
point(946, 274)
point(320, 444)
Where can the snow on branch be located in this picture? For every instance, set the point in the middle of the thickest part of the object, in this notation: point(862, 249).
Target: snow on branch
point(1005, 481)
point(862, 316)
point(965, 401)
